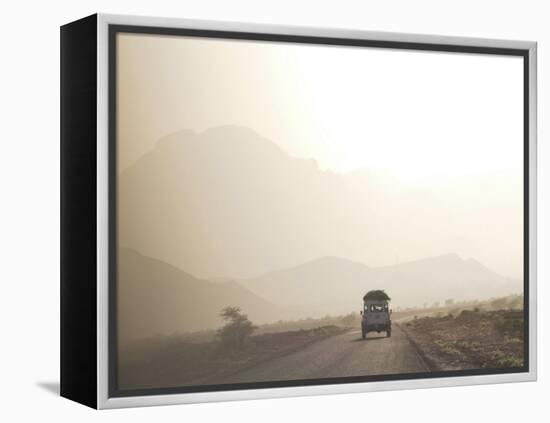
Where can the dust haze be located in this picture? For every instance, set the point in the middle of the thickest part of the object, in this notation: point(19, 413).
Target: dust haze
point(285, 186)
point(230, 212)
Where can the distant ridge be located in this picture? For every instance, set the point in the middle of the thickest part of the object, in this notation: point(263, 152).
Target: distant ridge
point(339, 284)
point(155, 298)
point(230, 202)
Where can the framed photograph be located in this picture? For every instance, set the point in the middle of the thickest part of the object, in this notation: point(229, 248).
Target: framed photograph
point(254, 211)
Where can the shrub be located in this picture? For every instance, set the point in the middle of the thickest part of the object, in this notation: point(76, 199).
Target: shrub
point(237, 329)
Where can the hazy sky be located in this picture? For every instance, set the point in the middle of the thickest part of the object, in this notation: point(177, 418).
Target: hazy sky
point(348, 108)
point(428, 119)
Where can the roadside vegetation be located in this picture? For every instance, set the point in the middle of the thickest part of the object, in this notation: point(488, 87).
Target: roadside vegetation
point(488, 335)
point(238, 329)
point(210, 357)
point(451, 336)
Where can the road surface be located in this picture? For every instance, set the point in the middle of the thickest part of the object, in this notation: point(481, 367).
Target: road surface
point(338, 356)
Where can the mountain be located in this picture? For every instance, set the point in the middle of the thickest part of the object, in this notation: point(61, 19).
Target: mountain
point(333, 285)
point(219, 203)
point(326, 282)
point(157, 298)
point(439, 278)
point(229, 202)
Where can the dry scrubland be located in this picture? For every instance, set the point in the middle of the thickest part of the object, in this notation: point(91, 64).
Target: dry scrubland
point(174, 361)
point(485, 337)
point(467, 335)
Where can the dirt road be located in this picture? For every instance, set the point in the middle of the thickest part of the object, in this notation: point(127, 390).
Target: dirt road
point(341, 355)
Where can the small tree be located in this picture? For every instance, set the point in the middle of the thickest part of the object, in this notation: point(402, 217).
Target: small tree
point(237, 329)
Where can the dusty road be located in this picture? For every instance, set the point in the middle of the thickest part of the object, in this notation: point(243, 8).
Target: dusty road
point(341, 355)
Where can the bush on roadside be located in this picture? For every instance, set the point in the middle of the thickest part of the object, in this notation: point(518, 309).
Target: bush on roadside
point(237, 330)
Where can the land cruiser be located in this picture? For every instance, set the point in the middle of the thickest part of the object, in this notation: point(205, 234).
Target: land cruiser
point(376, 315)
